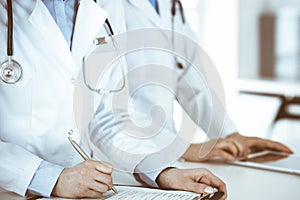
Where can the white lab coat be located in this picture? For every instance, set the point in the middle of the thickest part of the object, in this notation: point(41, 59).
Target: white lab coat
point(37, 112)
point(120, 137)
point(140, 15)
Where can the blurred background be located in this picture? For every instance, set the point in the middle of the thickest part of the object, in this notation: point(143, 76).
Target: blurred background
point(255, 44)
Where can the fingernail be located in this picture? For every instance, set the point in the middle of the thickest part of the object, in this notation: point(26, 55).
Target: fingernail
point(209, 190)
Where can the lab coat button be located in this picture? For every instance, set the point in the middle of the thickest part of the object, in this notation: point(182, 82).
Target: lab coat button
point(73, 80)
point(71, 132)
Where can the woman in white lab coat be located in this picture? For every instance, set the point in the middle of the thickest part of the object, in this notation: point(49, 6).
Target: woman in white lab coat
point(227, 143)
point(122, 136)
point(37, 111)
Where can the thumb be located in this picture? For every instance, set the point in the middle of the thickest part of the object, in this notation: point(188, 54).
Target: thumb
point(199, 188)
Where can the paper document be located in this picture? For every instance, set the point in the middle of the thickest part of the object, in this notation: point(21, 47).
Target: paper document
point(139, 193)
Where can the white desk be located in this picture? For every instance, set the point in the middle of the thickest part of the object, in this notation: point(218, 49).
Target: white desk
point(254, 184)
point(242, 183)
point(287, 92)
point(286, 88)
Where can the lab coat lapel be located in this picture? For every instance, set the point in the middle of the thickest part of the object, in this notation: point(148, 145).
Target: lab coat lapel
point(90, 19)
point(165, 13)
point(42, 20)
point(150, 12)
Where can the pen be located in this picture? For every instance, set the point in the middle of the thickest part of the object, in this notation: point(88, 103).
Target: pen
point(84, 155)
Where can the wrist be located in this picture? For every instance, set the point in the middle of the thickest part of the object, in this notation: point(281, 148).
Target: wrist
point(192, 153)
point(163, 177)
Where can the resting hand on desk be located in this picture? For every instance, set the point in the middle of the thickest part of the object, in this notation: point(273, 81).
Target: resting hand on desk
point(221, 148)
point(200, 181)
point(247, 145)
point(234, 146)
point(88, 179)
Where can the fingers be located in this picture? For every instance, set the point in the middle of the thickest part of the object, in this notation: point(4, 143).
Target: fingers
point(231, 148)
point(247, 145)
point(196, 180)
point(101, 180)
point(101, 176)
point(224, 155)
point(98, 187)
point(271, 145)
point(243, 148)
point(214, 181)
point(104, 179)
point(104, 167)
point(225, 149)
point(198, 188)
point(90, 179)
point(242, 143)
point(209, 179)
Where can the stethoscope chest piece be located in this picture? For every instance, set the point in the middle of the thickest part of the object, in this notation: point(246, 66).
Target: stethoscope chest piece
point(10, 71)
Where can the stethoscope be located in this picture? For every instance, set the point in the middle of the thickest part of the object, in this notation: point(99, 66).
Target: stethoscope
point(176, 3)
point(109, 31)
point(100, 41)
point(11, 71)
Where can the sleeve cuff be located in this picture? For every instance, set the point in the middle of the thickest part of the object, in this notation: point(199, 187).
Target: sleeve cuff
point(45, 179)
point(149, 177)
point(229, 127)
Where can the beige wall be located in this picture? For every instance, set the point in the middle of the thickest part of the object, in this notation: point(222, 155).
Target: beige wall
point(248, 44)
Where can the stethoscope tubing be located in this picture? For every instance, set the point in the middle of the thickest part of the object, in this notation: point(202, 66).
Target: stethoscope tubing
point(10, 26)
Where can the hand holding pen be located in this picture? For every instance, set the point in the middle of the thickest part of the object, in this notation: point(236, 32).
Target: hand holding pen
point(86, 157)
point(89, 179)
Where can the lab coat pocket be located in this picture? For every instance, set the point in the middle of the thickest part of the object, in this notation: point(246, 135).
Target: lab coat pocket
point(15, 106)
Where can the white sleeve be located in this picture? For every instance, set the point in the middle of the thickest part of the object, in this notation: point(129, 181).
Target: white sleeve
point(203, 105)
point(17, 167)
point(122, 133)
point(201, 101)
point(114, 132)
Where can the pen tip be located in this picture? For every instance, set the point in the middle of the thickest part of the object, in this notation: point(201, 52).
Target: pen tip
point(114, 189)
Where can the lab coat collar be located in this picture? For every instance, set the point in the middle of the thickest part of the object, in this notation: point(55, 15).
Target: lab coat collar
point(41, 19)
point(90, 19)
point(150, 12)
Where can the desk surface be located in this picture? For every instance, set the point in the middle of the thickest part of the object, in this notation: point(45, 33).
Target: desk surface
point(286, 88)
point(249, 183)
point(242, 182)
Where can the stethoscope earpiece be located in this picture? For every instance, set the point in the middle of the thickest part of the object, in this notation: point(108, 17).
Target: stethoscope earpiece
point(10, 71)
